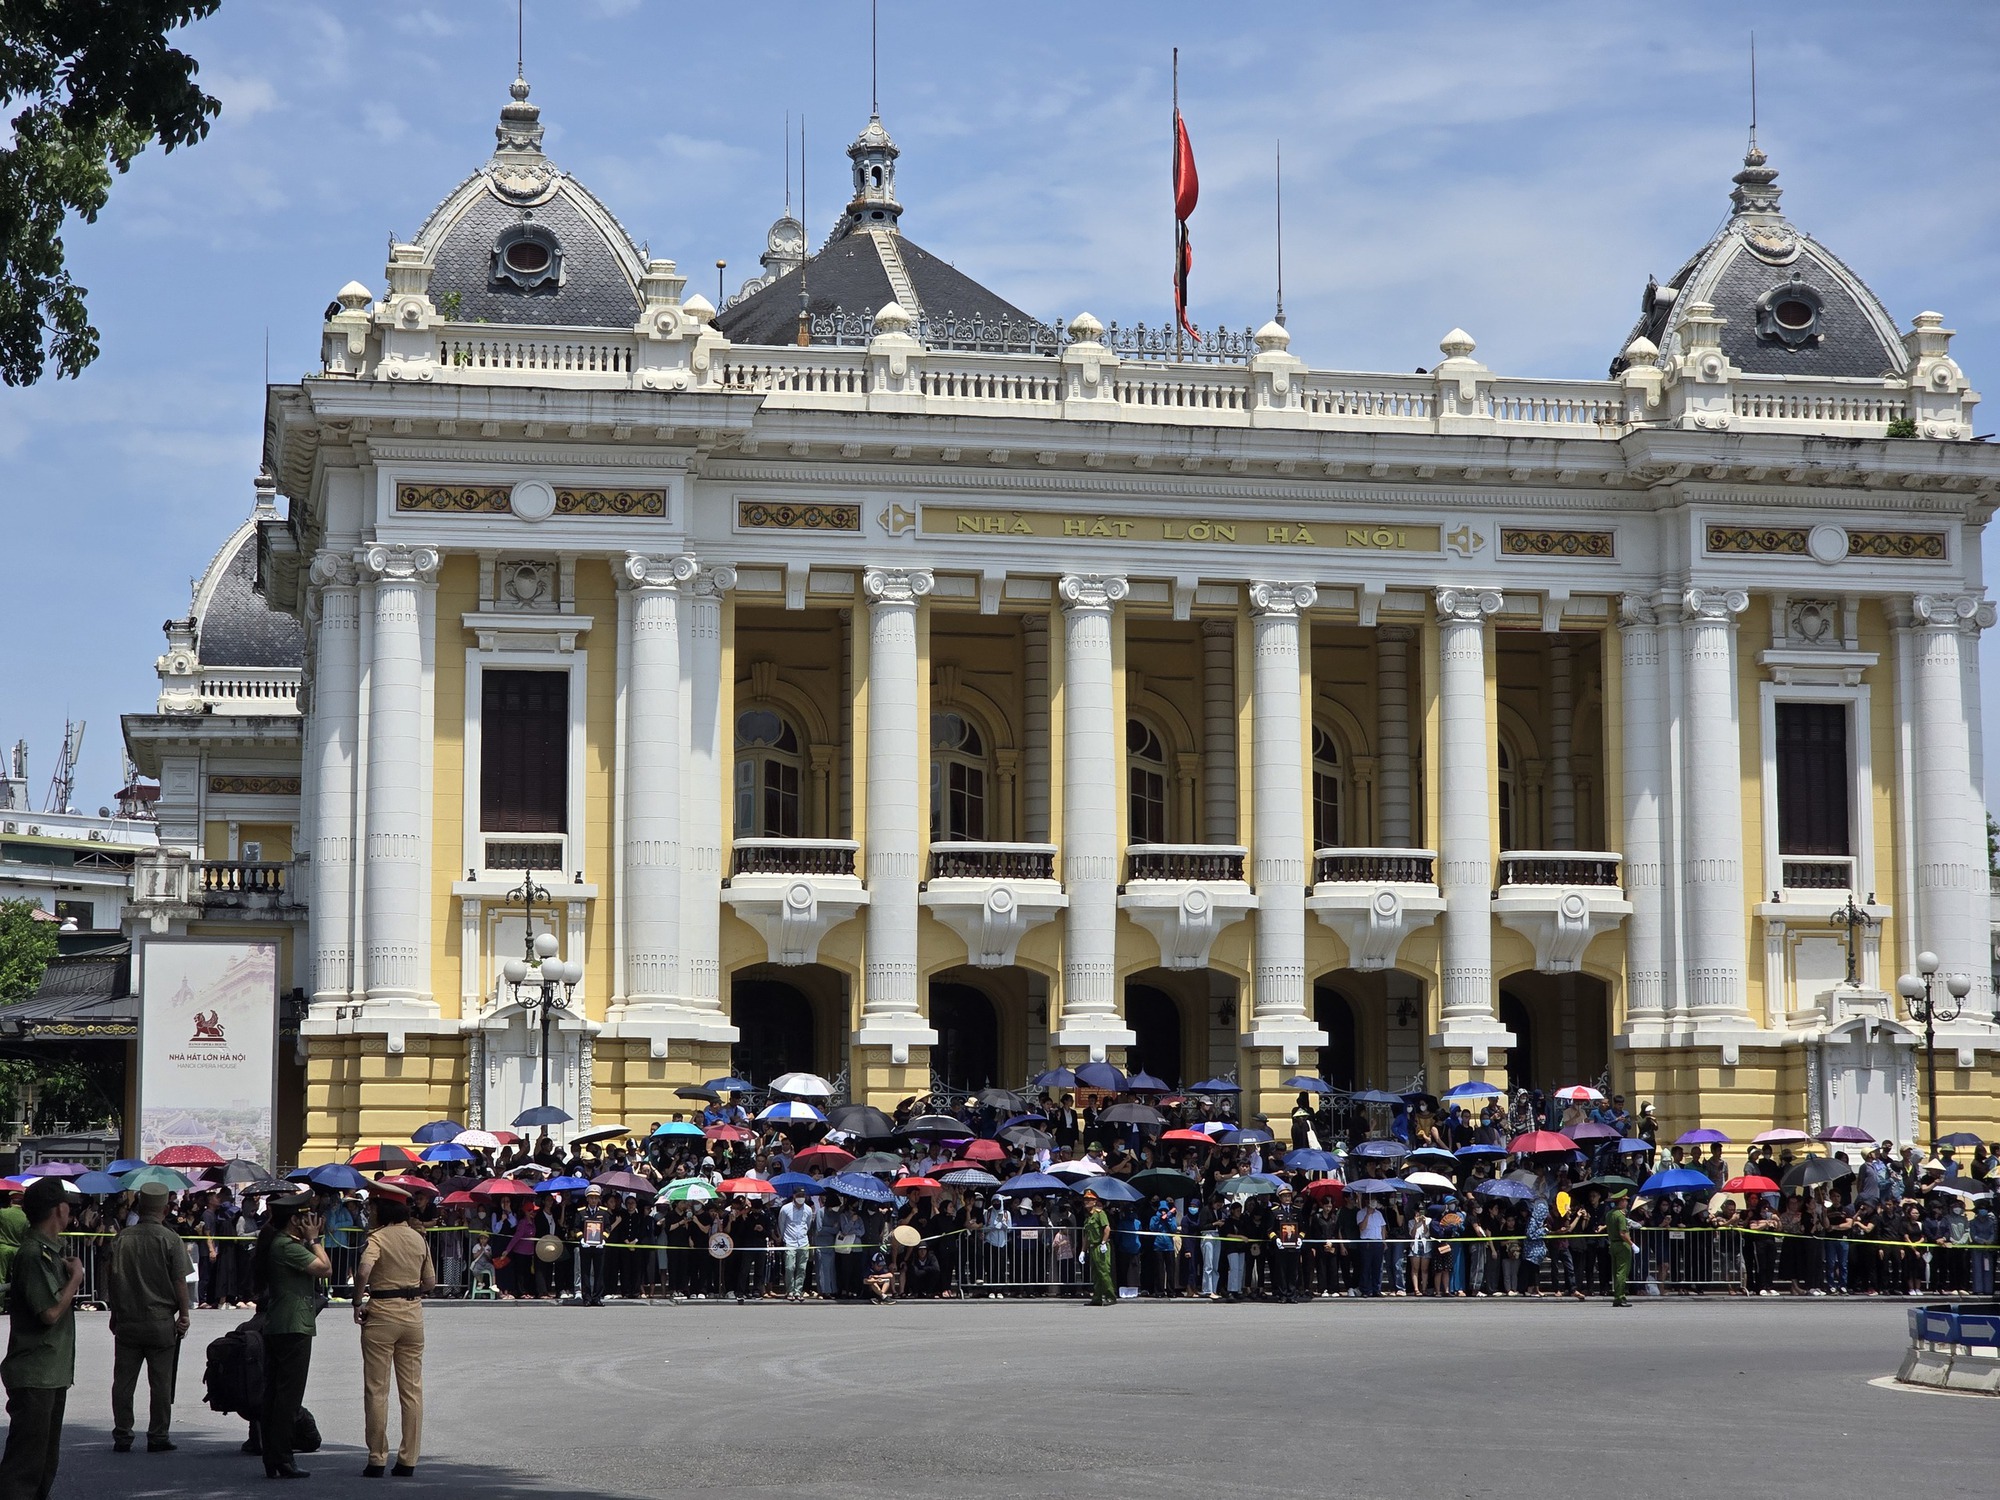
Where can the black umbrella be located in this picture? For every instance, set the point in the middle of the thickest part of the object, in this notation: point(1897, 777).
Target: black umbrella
point(1815, 1171)
point(863, 1120)
point(1028, 1138)
point(237, 1173)
point(1163, 1182)
point(1132, 1114)
point(1003, 1099)
point(696, 1091)
point(873, 1163)
point(942, 1126)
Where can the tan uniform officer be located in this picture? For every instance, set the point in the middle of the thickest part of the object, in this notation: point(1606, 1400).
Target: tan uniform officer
point(395, 1271)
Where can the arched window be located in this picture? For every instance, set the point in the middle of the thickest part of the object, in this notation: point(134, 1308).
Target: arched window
point(1506, 797)
point(1326, 770)
point(1146, 783)
point(958, 778)
point(770, 770)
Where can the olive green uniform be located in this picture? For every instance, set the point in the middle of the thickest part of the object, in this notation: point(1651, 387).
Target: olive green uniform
point(1617, 1233)
point(1097, 1245)
point(146, 1280)
point(38, 1371)
point(291, 1311)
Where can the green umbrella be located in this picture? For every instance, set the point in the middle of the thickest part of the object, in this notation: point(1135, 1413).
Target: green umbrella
point(688, 1190)
point(1249, 1185)
point(1162, 1182)
point(166, 1177)
point(1608, 1182)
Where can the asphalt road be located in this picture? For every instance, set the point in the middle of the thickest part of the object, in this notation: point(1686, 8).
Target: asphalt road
point(1019, 1398)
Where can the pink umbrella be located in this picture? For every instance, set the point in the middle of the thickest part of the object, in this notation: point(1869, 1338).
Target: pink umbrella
point(1773, 1137)
point(56, 1169)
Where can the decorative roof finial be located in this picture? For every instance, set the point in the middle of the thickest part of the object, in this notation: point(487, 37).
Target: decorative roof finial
point(518, 170)
point(874, 156)
point(1755, 192)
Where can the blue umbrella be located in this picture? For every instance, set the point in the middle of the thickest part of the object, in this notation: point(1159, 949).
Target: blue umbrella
point(1110, 1189)
point(1097, 1075)
point(1246, 1135)
point(1012, 1120)
point(858, 1185)
point(100, 1184)
point(123, 1165)
point(1307, 1085)
point(1466, 1153)
point(730, 1085)
point(1676, 1180)
point(1425, 1155)
point(446, 1151)
point(542, 1114)
point(1376, 1187)
point(791, 1112)
point(1221, 1086)
point(1143, 1082)
point(1513, 1192)
point(679, 1127)
point(1304, 1160)
point(1632, 1146)
point(1473, 1091)
point(435, 1132)
point(1390, 1150)
point(561, 1185)
point(1375, 1096)
point(785, 1182)
point(337, 1175)
point(1037, 1182)
point(1053, 1078)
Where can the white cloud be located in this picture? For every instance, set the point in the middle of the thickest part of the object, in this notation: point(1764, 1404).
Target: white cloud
point(243, 98)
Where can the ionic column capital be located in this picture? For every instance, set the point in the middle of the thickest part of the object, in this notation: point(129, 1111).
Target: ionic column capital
point(897, 585)
point(331, 570)
point(1637, 612)
point(1953, 611)
point(1456, 606)
point(641, 571)
point(1091, 591)
point(1282, 599)
point(1713, 606)
point(384, 563)
point(705, 583)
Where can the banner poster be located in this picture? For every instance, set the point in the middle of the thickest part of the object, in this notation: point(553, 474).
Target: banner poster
point(208, 1036)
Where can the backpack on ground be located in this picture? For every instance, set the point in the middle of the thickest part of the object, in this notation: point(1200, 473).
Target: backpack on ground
point(234, 1376)
point(305, 1433)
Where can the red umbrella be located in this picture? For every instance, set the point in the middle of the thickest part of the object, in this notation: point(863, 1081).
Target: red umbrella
point(918, 1185)
point(1326, 1187)
point(749, 1187)
point(458, 1200)
point(726, 1133)
point(1536, 1142)
point(503, 1187)
point(822, 1156)
point(985, 1150)
point(188, 1156)
point(1190, 1137)
point(411, 1184)
point(1749, 1185)
point(504, 1137)
point(382, 1156)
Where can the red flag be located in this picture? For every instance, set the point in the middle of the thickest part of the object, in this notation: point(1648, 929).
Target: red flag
point(1187, 186)
point(1183, 263)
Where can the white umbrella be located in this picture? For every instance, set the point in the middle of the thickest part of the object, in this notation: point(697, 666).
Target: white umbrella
point(531, 1170)
point(1075, 1169)
point(1579, 1092)
point(1432, 1180)
point(600, 1133)
point(803, 1085)
point(483, 1138)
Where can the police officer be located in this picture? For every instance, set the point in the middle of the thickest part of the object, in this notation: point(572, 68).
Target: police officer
point(40, 1366)
point(394, 1273)
point(147, 1288)
point(1618, 1237)
point(288, 1265)
point(593, 1224)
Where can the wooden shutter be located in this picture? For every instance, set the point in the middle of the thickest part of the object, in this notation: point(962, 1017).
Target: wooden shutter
point(1813, 778)
point(524, 752)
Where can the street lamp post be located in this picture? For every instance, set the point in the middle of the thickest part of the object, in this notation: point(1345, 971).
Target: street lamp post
point(542, 983)
point(1855, 920)
point(1921, 999)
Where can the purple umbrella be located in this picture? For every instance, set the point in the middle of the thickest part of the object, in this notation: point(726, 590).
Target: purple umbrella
point(1703, 1137)
point(56, 1169)
point(1590, 1130)
point(1850, 1134)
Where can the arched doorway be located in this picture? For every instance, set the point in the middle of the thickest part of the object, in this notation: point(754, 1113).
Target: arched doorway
point(778, 1034)
point(1334, 1015)
point(1155, 1021)
point(1521, 1056)
point(967, 1052)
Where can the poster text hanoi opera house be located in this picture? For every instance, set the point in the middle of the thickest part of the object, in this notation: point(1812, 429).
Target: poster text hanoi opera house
point(881, 682)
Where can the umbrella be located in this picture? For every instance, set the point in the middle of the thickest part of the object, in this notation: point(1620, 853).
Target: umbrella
point(1027, 1138)
point(787, 1183)
point(863, 1120)
point(1387, 1150)
point(1816, 1171)
point(985, 1151)
point(1702, 1137)
point(1098, 1075)
point(1375, 1096)
point(542, 1114)
point(1005, 1099)
point(1511, 1192)
point(1190, 1137)
point(1327, 1187)
point(410, 1185)
point(746, 1187)
point(1036, 1182)
point(236, 1173)
point(908, 1185)
point(182, 1156)
point(1773, 1137)
point(940, 1126)
point(1247, 1135)
point(1305, 1160)
point(803, 1085)
point(725, 1132)
point(1213, 1128)
point(730, 1085)
point(679, 1127)
point(1749, 1185)
point(1143, 1082)
point(563, 1184)
point(458, 1200)
point(1131, 1114)
point(1474, 1091)
point(1632, 1145)
point(1610, 1180)
point(337, 1176)
point(382, 1156)
point(624, 1182)
point(1536, 1142)
point(1053, 1078)
point(485, 1140)
point(599, 1133)
point(871, 1163)
point(1958, 1140)
point(968, 1177)
point(1968, 1194)
point(1433, 1155)
point(1581, 1093)
point(1676, 1180)
point(1468, 1153)
point(856, 1185)
point(1110, 1189)
point(1302, 1083)
point(1076, 1169)
point(696, 1091)
point(1432, 1181)
point(1030, 1118)
point(1224, 1086)
point(688, 1190)
point(99, 1184)
point(823, 1156)
point(435, 1133)
point(123, 1165)
point(503, 1187)
point(790, 1112)
point(1249, 1185)
point(1162, 1182)
point(1852, 1135)
point(530, 1170)
point(1589, 1130)
point(448, 1151)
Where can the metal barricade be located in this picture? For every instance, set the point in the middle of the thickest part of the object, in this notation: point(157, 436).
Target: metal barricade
point(1042, 1256)
point(1685, 1261)
point(91, 1249)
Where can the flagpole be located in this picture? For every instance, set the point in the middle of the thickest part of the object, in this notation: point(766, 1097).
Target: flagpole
point(1177, 225)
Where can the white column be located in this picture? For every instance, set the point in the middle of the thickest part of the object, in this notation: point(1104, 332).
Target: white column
point(897, 764)
point(705, 790)
point(1952, 885)
point(336, 725)
point(1713, 873)
point(649, 894)
point(1392, 733)
point(1035, 727)
point(1643, 730)
point(1092, 743)
point(1465, 824)
point(397, 922)
point(1218, 731)
point(1562, 784)
point(1279, 826)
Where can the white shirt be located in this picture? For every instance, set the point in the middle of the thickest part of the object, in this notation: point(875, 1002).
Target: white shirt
point(1371, 1224)
point(795, 1222)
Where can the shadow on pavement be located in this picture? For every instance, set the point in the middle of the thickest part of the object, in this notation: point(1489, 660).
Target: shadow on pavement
point(206, 1466)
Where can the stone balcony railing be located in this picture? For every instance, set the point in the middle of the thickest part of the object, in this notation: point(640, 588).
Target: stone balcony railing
point(976, 861)
point(1375, 866)
point(1374, 899)
point(993, 895)
point(171, 883)
point(1558, 867)
point(794, 891)
point(1561, 900)
point(251, 691)
point(1185, 895)
point(1818, 872)
point(793, 857)
point(1198, 862)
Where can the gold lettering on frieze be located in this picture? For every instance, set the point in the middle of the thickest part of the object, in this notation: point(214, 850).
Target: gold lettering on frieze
point(1109, 527)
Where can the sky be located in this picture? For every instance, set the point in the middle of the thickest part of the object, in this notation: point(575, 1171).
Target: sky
point(1517, 171)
